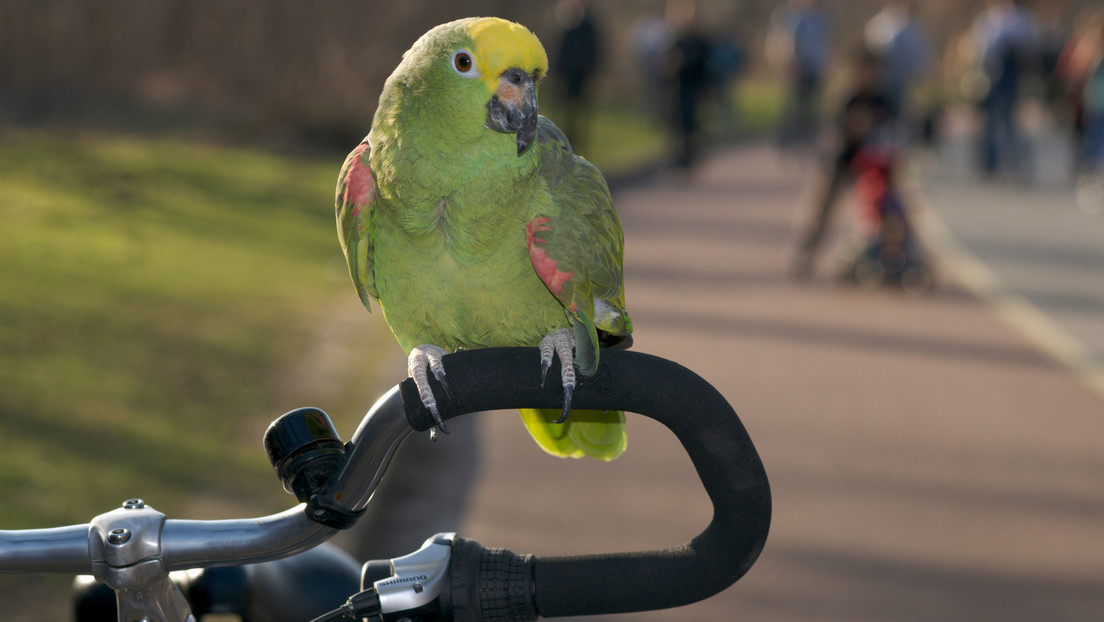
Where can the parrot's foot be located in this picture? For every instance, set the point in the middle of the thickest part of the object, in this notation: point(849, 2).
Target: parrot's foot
point(423, 359)
point(561, 342)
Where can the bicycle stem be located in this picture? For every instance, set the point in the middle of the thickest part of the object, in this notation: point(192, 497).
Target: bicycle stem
point(380, 433)
point(373, 444)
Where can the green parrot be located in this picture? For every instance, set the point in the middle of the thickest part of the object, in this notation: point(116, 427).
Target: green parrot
point(471, 222)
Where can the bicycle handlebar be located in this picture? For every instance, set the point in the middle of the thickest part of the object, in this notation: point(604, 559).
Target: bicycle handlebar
point(705, 424)
point(487, 379)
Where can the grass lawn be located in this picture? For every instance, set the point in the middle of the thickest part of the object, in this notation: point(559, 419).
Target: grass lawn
point(154, 294)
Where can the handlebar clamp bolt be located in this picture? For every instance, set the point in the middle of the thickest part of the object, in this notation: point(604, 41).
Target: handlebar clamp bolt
point(134, 504)
point(118, 536)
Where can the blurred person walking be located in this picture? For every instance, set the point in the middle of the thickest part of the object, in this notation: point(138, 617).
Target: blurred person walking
point(652, 40)
point(689, 76)
point(1090, 179)
point(1006, 40)
point(798, 44)
point(726, 64)
point(578, 58)
point(1078, 60)
point(896, 36)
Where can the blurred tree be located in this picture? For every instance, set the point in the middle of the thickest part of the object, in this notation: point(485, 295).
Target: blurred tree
point(276, 63)
point(291, 66)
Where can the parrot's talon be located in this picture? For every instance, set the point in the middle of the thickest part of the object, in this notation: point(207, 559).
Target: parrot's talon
point(568, 390)
point(436, 415)
point(561, 343)
point(422, 358)
point(440, 375)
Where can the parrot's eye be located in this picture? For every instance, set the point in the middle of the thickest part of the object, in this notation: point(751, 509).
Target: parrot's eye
point(463, 65)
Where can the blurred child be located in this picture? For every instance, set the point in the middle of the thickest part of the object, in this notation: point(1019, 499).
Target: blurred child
point(865, 113)
point(885, 250)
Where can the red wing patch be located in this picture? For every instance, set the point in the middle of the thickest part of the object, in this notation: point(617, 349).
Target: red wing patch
point(360, 187)
point(546, 267)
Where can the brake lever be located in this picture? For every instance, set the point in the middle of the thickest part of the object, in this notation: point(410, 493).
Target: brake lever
point(407, 587)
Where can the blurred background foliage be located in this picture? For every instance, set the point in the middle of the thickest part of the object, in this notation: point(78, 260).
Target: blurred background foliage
point(312, 70)
point(307, 70)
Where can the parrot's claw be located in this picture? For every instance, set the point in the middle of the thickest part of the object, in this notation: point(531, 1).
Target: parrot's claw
point(568, 390)
point(439, 373)
point(561, 342)
point(422, 360)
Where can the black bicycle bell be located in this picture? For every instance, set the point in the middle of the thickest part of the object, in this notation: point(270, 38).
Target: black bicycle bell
point(305, 450)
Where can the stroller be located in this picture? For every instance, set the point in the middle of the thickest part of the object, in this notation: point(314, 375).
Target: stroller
point(884, 251)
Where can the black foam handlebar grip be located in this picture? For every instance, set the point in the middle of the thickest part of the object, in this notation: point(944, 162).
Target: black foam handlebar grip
point(702, 420)
point(490, 585)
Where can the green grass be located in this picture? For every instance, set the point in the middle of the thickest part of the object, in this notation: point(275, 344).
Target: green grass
point(153, 293)
point(758, 103)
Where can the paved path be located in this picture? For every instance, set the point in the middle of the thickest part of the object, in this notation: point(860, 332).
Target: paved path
point(927, 461)
point(1030, 249)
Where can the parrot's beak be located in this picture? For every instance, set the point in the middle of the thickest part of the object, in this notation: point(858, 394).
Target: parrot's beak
point(513, 108)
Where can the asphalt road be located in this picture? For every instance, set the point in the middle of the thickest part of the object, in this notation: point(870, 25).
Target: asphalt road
point(928, 460)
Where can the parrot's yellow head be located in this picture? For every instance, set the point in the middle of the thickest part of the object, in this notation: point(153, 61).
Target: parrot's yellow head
point(499, 45)
point(473, 74)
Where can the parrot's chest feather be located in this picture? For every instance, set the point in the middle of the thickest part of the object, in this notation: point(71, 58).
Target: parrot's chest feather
point(460, 227)
point(460, 280)
point(431, 222)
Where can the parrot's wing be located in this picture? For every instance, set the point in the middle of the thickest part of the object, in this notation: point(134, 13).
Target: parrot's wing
point(356, 194)
point(577, 248)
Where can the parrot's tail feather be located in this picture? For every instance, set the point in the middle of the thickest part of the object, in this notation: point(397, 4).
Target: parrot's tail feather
point(598, 434)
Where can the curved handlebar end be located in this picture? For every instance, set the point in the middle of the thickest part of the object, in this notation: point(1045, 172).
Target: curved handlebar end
point(705, 424)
